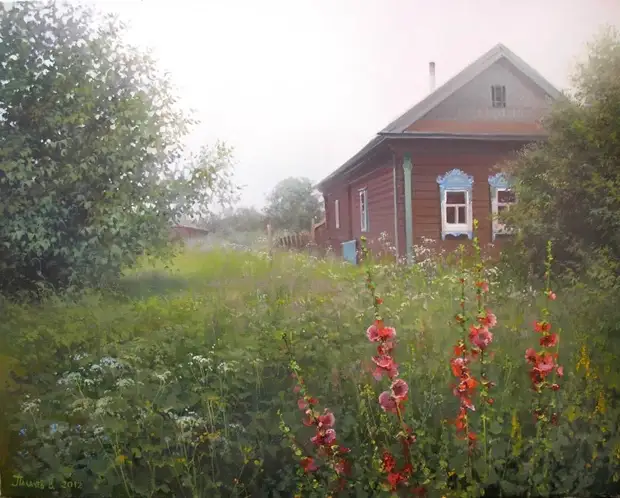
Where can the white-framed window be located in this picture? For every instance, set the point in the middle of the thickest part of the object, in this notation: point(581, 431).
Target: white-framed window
point(455, 190)
point(502, 197)
point(498, 96)
point(337, 213)
point(363, 193)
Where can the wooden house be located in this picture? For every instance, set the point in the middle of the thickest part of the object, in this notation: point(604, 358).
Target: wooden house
point(432, 171)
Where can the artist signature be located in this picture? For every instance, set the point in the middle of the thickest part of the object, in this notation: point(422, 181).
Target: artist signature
point(20, 481)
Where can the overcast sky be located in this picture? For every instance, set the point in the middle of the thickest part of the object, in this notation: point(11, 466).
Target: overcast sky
point(298, 86)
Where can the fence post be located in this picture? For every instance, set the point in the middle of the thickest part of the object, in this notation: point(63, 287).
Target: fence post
point(269, 239)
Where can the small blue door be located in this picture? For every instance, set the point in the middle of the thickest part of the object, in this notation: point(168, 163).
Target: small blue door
point(349, 251)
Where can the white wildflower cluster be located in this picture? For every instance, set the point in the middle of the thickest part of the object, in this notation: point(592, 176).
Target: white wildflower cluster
point(70, 379)
point(102, 406)
point(225, 367)
point(163, 377)
point(31, 406)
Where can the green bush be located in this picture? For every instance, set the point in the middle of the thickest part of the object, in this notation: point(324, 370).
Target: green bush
point(156, 389)
point(92, 170)
point(568, 186)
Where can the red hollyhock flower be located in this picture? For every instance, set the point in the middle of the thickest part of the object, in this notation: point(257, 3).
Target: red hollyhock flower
point(388, 402)
point(389, 462)
point(480, 337)
point(542, 326)
point(488, 319)
point(560, 371)
point(394, 479)
point(549, 340)
point(307, 463)
point(378, 300)
point(530, 355)
point(385, 366)
point(302, 404)
point(483, 286)
point(324, 438)
point(551, 295)
point(459, 349)
point(399, 389)
point(459, 366)
point(327, 419)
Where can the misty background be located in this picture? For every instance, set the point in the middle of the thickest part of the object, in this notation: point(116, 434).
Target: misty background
point(298, 87)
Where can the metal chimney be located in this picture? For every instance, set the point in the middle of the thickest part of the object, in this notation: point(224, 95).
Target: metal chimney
point(431, 75)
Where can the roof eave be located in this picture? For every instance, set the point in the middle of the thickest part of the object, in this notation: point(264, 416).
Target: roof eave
point(353, 162)
point(465, 136)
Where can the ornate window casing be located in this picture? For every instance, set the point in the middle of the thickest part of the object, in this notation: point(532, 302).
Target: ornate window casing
point(363, 193)
point(455, 190)
point(502, 197)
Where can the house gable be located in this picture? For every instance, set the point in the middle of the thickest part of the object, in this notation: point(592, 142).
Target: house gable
point(464, 105)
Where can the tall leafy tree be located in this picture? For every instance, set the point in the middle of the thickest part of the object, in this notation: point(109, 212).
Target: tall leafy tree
point(92, 169)
point(293, 205)
point(568, 187)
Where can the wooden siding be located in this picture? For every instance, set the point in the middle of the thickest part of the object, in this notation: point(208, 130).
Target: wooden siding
point(335, 236)
point(378, 179)
point(434, 158)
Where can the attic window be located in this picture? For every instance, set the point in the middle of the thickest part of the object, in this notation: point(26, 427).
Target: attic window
point(498, 95)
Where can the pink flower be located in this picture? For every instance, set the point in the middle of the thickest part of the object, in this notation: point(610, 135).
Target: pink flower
point(324, 438)
point(387, 402)
point(377, 332)
point(302, 404)
point(488, 319)
point(399, 389)
point(551, 295)
point(385, 366)
point(549, 340)
point(530, 355)
point(327, 419)
point(330, 436)
point(372, 333)
point(480, 337)
point(560, 371)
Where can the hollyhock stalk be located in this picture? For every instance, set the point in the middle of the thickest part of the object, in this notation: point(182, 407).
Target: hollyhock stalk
point(390, 401)
point(324, 440)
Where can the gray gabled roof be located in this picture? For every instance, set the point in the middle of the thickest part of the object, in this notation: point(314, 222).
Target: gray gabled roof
point(498, 52)
point(399, 125)
point(377, 140)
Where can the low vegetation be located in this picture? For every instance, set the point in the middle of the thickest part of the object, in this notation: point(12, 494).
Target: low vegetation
point(181, 381)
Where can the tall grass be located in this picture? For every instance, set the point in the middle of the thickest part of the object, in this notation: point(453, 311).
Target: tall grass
point(177, 382)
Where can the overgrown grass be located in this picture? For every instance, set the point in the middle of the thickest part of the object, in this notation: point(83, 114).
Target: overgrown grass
point(171, 383)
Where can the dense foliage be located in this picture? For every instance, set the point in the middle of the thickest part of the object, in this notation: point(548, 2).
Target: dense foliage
point(568, 187)
point(293, 205)
point(180, 384)
point(91, 165)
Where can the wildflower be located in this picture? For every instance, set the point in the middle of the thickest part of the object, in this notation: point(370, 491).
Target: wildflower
point(483, 286)
point(385, 365)
point(307, 463)
point(388, 402)
point(551, 295)
point(400, 389)
point(549, 340)
point(542, 326)
point(487, 319)
point(389, 463)
point(327, 419)
point(480, 337)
